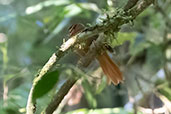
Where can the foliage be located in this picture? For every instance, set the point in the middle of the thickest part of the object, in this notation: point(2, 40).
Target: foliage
point(31, 30)
point(102, 111)
point(45, 84)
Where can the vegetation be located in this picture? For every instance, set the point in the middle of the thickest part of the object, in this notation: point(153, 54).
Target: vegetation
point(41, 72)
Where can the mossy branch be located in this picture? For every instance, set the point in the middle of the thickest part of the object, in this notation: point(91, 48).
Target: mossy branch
point(112, 23)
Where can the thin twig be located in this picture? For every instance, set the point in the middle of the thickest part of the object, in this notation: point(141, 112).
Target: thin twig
point(139, 85)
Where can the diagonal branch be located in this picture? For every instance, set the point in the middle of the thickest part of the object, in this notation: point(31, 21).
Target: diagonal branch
point(130, 4)
point(112, 23)
point(60, 95)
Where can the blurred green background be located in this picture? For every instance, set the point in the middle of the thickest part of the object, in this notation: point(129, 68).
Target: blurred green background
point(32, 30)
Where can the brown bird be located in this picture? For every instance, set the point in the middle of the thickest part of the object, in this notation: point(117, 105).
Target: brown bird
point(109, 68)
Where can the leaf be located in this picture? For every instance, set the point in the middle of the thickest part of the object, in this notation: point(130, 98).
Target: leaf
point(101, 86)
point(90, 6)
point(44, 85)
point(164, 88)
point(123, 37)
point(101, 111)
point(138, 45)
point(72, 10)
point(154, 58)
point(89, 94)
point(36, 8)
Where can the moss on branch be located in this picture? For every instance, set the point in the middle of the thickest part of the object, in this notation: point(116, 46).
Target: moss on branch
point(112, 23)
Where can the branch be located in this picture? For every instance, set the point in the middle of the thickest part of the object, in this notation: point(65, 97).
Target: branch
point(53, 105)
point(31, 105)
point(112, 23)
point(140, 7)
point(130, 4)
point(60, 95)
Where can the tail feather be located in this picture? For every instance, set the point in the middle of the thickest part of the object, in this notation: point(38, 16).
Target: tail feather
point(110, 69)
point(107, 74)
point(114, 67)
point(111, 74)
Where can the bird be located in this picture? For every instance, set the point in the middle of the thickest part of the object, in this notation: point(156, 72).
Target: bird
point(110, 69)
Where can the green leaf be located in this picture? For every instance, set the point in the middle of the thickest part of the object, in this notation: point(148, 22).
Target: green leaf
point(89, 94)
point(101, 111)
point(8, 77)
point(49, 3)
point(138, 45)
point(101, 86)
point(164, 88)
point(72, 10)
point(44, 85)
point(122, 37)
point(154, 58)
point(90, 6)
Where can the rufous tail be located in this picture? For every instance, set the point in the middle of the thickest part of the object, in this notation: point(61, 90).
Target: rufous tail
point(110, 69)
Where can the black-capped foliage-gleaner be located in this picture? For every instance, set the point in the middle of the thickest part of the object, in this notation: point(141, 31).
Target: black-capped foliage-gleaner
point(109, 68)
